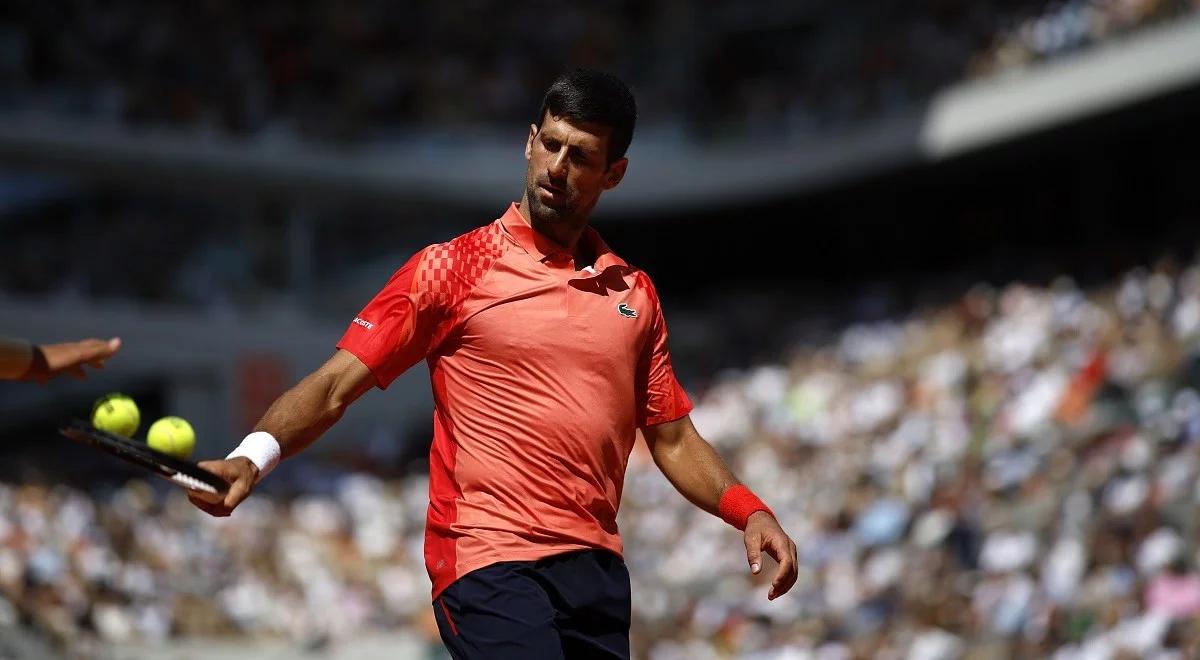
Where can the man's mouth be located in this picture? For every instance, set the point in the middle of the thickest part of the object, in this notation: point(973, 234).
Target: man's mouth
point(553, 191)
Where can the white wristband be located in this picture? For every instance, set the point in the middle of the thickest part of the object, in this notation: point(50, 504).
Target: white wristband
point(262, 449)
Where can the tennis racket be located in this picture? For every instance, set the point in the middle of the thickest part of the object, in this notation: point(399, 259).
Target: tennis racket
point(182, 473)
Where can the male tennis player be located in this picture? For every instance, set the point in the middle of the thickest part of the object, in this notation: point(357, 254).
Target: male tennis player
point(546, 352)
point(23, 360)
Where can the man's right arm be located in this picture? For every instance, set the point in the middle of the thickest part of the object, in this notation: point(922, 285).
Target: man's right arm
point(296, 419)
point(393, 332)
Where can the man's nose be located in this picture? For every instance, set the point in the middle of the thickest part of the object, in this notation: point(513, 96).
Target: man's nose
point(557, 167)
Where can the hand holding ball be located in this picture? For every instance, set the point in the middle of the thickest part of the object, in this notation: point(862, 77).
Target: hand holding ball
point(172, 436)
point(116, 413)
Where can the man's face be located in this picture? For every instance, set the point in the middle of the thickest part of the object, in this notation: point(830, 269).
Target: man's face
point(568, 169)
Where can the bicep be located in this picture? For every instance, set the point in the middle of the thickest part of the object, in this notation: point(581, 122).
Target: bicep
point(345, 377)
point(667, 436)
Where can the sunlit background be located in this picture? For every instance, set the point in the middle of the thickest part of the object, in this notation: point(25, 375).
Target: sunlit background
point(930, 271)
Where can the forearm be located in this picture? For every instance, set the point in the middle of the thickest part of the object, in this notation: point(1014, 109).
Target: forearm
point(303, 413)
point(695, 469)
point(293, 422)
point(16, 358)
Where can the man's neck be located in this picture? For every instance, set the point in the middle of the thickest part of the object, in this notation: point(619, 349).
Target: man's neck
point(566, 234)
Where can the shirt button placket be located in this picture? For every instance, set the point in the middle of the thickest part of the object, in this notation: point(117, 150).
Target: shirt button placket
point(561, 265)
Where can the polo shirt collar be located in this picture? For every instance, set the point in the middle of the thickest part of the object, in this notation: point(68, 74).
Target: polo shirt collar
point(540, 247)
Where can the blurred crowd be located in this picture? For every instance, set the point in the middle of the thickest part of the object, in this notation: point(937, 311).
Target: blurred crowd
point(137, 563)
point(348, 72)
point(1062, 27)
point(1013, 475)
point(157, 249)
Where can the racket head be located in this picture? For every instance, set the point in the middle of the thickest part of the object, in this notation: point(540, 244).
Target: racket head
point(182, 473)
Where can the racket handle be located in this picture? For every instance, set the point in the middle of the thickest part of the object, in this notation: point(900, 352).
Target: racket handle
point(192, 483)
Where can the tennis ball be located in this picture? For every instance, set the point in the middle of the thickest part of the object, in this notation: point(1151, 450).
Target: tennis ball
point(172, 436)
point(116, 413)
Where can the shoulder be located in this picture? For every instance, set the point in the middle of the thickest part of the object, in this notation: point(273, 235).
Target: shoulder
point(480, 243)
point(643, 281)
point(457, 265)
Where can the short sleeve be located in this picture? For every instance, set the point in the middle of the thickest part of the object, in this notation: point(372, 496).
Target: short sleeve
point(660, 397)
point(397, 328)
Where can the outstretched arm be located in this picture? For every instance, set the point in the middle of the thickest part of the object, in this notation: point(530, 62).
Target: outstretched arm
point(699, 474)
point(20, 360)
point(296, 419)
point(300, 415)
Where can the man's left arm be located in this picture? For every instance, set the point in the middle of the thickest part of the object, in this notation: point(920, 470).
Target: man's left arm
point(699, 474)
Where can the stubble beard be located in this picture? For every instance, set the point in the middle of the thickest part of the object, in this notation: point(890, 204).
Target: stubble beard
point(543, 214)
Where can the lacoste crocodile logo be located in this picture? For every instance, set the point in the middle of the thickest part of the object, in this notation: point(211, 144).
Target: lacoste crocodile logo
point(627, 311)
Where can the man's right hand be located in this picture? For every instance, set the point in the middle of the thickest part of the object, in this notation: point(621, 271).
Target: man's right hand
point(241, 475)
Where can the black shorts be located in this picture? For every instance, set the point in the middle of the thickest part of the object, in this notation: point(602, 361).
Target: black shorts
point(573, 605)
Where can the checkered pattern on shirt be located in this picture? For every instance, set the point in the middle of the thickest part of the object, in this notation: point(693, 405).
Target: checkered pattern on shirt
point(451, 269)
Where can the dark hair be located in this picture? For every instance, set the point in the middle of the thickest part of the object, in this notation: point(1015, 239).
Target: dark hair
point(594, 96)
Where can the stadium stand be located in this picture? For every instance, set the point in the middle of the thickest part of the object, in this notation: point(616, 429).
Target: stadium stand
point(1011, 474)
point(349, 72)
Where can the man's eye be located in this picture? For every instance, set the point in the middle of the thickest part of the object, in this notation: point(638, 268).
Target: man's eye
point(551, 145)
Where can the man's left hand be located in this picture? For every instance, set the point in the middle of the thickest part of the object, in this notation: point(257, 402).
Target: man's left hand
point(764, 533)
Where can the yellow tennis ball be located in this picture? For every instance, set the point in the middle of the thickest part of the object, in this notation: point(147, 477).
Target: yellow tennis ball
point(173, 436)
point(116, 413)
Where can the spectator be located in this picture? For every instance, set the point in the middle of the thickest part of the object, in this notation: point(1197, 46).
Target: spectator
point(364, 71)
point(1011, 475)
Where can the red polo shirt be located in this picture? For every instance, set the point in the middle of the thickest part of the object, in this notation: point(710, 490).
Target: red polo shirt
point(541, 374)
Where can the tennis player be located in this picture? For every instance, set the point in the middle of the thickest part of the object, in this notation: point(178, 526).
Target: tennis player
point(23, 360)
point(546, 353)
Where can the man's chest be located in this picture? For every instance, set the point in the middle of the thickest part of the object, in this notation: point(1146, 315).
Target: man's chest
point(559, 320)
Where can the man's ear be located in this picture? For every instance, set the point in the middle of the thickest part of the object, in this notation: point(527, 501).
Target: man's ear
point(615, 173)
point(533, 130)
